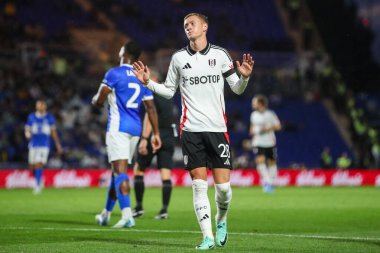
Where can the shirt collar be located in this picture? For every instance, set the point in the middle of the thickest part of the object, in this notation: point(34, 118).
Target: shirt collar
point(40, 115)
point(204, 51)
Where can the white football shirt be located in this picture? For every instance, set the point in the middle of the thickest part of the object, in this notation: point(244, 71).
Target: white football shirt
point(200, 77)
point(259, 120)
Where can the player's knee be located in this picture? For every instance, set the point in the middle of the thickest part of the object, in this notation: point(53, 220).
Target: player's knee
point(122, 184)
point(138, 170)
point(124, 187)
point(199, 174)
point(223, 188)
point(260, 159)
point(199, 185)
point(165, 174)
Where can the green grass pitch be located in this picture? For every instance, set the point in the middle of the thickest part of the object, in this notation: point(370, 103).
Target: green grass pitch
point(290, 220)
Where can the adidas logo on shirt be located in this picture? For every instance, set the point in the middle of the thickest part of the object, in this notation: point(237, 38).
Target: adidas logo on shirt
point(187, 66)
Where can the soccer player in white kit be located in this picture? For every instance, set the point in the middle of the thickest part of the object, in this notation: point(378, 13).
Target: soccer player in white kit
point(125, 95)
point(264, 123)
point(199, 70)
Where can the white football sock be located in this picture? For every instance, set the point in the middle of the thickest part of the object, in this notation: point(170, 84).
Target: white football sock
point(264, 173)
point(126, 213)
point(273, 172)
point(105, 213)
point(202, 206)
point(223, 196)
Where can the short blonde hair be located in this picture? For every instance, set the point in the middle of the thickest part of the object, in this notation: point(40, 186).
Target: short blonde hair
point(201, 16)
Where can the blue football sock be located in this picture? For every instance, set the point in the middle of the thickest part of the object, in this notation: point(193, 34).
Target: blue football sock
point(124, 200)
point(38, 172)
point(110, 203)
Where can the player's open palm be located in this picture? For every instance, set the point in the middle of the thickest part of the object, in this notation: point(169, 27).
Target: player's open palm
point(141, 71)
point(246, 67)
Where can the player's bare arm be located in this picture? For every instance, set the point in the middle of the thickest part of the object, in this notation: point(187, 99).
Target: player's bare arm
point(246, 67)
point(252, 130)
point(268, 129)
point(276, 127)
point(142, 72)
point(150, 108)
point(28, 133)
point(100, 97)
point(57, 143)
point(147, 129)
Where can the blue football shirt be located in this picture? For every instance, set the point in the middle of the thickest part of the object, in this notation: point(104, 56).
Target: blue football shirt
point(40, 127)
point(124, 101)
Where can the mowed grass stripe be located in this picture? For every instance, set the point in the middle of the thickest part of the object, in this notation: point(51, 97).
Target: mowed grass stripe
point(197, 232)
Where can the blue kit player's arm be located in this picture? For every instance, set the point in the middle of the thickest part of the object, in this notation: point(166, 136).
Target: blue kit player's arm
point(28, 125)
point(110, 80)
point(151, 111)
point(54, 134)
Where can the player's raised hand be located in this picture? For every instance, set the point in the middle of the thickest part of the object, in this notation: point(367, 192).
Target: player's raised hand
point(246, 66)
point(142, 72)
point(156, 142)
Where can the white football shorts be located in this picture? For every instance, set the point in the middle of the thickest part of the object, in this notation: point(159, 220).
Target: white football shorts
point(121, 146)
point(38, 155)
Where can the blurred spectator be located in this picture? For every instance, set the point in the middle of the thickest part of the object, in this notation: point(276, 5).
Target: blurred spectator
point(375, 150)
point(326, 159)
point(10, 9)
point(293, 7)
point(343, 161)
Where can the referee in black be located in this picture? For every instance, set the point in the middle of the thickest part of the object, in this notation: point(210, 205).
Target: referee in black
point(164, 155)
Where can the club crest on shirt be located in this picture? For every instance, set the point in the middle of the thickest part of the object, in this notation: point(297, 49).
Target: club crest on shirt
point(184, 80)
point(212, 62)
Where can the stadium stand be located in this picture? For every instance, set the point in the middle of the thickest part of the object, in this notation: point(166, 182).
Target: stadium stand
point(39, 57)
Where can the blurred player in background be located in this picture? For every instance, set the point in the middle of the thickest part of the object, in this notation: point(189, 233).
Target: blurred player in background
point(264, 123)
point(39, 128)
point(125, 94)
point(199, 69)
point(164, 154)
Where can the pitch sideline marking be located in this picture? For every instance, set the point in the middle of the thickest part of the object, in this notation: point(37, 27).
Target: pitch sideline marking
point(197, 232)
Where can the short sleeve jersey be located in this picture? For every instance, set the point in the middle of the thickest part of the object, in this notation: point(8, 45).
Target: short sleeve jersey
point(260, 120)
point(125, 100)
point(200, 77)
point(40, 127)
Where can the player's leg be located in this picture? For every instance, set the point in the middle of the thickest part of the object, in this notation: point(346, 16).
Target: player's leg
point(122, 188)
point(202, 206)
point(263, 170)
point(220, 157)
point(223, 197)
point(120, 149)
point(104, 217)
point(166, 193)
point(193, 150)
point(165, 163)
point(142, 162)
point(38, 158)
point(139, 187)
point(38, 176)
point(272, 166)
